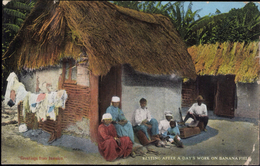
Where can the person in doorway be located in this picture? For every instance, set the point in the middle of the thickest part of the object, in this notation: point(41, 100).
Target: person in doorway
point(110, 145)
point(142, 120)
point(198, 112)
point(122, 125)
point(165, 124)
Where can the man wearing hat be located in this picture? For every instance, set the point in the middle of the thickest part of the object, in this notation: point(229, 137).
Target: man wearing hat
point(165, 124)
point(110, 145)
point(122, 125)
point(198, 111)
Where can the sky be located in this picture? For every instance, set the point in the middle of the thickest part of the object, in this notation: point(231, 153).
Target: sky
point(211, 6)
point(207, 6)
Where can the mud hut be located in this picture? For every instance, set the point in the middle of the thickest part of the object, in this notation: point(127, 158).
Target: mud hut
point(95, 50)
point(228, 78)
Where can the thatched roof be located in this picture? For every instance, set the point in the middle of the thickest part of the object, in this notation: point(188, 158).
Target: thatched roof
point(226, 58)
point(108, 34)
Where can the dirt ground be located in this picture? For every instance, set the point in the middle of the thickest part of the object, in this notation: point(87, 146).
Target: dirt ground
point(237, 143)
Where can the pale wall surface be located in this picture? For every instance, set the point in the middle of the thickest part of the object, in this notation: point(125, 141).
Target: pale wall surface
point(162, 93)
point(51, 76)
point(29, 81)
point(82, 75)
point(248, 100)
point(48, 76)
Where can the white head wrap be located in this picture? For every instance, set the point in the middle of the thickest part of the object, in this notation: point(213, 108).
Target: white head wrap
point(115, 99)
point(168, 113)
point(106, 116)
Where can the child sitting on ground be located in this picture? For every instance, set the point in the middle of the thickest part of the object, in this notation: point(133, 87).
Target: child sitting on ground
point(172, 134)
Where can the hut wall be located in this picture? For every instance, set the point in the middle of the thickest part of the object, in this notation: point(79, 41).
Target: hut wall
point(189, 93)
point(78, 104)
point(248, 100)
point(82, 75)
point(29, 81)
point(163, 93)
point(48, 79)
point(79, 100)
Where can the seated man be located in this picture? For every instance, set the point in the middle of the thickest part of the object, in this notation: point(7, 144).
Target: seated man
point(165, 124)
point(198, 111)
point(110, 145)
point(142, 120)
point(123, 126)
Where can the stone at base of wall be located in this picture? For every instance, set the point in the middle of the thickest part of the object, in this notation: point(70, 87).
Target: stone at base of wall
point(247, 114)
point(79, 129)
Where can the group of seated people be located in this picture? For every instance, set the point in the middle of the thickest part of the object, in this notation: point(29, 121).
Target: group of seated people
point(116, 133)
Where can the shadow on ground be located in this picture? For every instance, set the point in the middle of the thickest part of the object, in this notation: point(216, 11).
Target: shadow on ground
point(212, 116)
point(67, 141)
point(203, 136)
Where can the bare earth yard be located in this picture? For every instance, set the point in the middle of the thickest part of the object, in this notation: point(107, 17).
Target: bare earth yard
point(235, 143)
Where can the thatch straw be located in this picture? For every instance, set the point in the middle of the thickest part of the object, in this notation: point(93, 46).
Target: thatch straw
point(226, 58)
point(109, 34)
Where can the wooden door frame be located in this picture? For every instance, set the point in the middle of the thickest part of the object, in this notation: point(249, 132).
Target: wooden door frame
point(117, 70)
point(218, 90)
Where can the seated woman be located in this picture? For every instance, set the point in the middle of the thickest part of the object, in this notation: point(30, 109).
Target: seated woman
point(111, 146)
point(122, 125)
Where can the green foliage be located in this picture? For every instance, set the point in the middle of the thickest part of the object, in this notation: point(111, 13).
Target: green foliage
point(129, 4)
point(13, 27)
point(237, 25)
point(13, 15)
point(175, 11)
point(15, 4)
point(185, 21)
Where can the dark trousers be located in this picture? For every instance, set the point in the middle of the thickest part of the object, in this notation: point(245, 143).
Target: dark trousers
point(204, 119)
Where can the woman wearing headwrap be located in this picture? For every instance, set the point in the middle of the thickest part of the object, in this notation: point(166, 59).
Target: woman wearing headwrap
point(165, 124)
point(122, 125)
point(110, 145)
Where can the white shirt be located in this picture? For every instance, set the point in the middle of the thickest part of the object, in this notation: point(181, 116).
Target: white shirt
point(163, 126)
point(198, 110)
point(139, 115)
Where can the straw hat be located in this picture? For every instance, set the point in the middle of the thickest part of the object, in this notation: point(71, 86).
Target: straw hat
point(200, 98)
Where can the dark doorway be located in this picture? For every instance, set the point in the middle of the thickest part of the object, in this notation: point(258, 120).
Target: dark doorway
point(225, 98)
point(207, 88)
point(219, 93)
point(109, 85)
